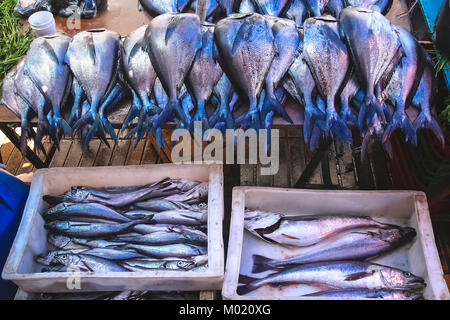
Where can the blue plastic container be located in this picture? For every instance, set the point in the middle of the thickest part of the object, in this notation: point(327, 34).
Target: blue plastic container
point(13, 196)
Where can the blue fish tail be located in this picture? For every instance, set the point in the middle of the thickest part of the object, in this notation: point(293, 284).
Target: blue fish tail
point(428, 122)
point(400, 120)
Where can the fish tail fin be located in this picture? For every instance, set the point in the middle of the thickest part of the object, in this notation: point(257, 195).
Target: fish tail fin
point(200, 115)
point(109, 129)
point(87, 118)
point(400, 120)
point(176, 106)
point(272, 104)
point(159, 137)
point(315, 137)
point(94, 128)
point(338, 127)
point(24, 138)
point(246, 288)
point(370, 102)
point(261, 264)
point(38, 138)
point(347, 113)
point(428, 122)
point(134, 111)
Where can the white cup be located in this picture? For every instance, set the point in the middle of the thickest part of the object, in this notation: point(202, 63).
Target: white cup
point(42, 23)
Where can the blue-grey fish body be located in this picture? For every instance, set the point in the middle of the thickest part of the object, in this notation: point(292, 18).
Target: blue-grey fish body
point(229, 6)
point(88, 263)
point(112, 254)
point(88, 230)
point(8, 90)
point(356, 244)
point(342, 275)
point(223, 91)
point(172, 43)
point(170, 250)
point(174, 235)
point(45, 64)
point(91, 210)
point(369, 294)
point(270, 7)
point(329, 62)
point(246, 47)
point(297, 12)
point(375, 50)
point(247, 6)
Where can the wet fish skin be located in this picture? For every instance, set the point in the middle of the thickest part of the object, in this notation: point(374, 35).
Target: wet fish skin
point(363, 30)
point(160, 227)
point(140, 74)
point(45, 65)
point(88, 263)
point(229, 6)
point(8, 91)
point(287, 40)
point(172, 43)
point(192, 196)
point(340, 275)
point(223, 91)
point(302, 231)
point(49, 259)
point(89, 230)
point(173, 236)
point(246, 48)
point(270, 7)
point(170, 250)
point(158, 7)
point(316, 7)
point(159, 205)
point(350, 90)
point(98, 243)
point(329, 62)
point(64, 243)
point(184, 217)
point(204, 74)
point(297, 12)
point(369, 294)
point(357, 244)
point(112, 254)
point(165, 264)
point(92, 210)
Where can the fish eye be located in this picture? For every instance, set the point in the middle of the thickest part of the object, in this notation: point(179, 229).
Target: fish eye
point(64, 256)
point(407, 274)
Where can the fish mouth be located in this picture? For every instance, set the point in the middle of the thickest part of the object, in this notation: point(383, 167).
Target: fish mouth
point(416, 284)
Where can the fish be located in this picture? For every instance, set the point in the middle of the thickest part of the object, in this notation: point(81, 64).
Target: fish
point(8, 91)
point(364, 30)
point(246, 48)
point(369, 294)
point(93, 243)
point(350, 91)
point(339, 275)
point(94, 59)
point(64, 243)
point(112, 254)
point(89, 230)
point(45, 65)
point(287, 40)
point(328, 60)
point(49, 259)
point(207, 11)
point(78, 100)
point(88, 263)
point(165, 264)
point(247, 6)
point(403, 85)
point(442, 29)
point(159, 205)
point(297, 12)
point(223, 113)
point(171, 250)
point(159, 7)
point(424, 100)
point(140, 74)
point(91, 210)
point(316, 7)
point(160, 227)
point(185, 217)
point(335, 6)
point(204, 74)
point(229, 6)
point(164, 187)
point(174, 235)
point(195, 195)
point(302, 231)
point(172, 43)
point(270, 7)
point(356, 244)
point(382, 6)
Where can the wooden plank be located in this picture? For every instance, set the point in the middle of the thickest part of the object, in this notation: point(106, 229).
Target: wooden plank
point(60, 156)
point(332, 165)
point(135, 153)
point(247, 175)
point(88, 159)
point(281, 179)
point(25, 167)
point(346, 164)
point(297, 152)
point(14, 161)
point(207, 295)
point(74, 155)
point(6, 150)
point(150, 155)
point(120, 152)
point(104, 154)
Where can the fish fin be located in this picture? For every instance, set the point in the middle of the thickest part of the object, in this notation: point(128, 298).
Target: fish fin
point(240, 38)
point(260, 264)
point(246, 279)
point(91, 47)
point(171, 26)
point(400, 120)
point(83, 121)
point(139, 45)
point(424, 122)
point(370, 103)
point(357, 276)
point(338, 127)
point(110, 129)
point(272, 104)
point(242, 290)
point(51, 51)
point(315, 137)
point(289, 237)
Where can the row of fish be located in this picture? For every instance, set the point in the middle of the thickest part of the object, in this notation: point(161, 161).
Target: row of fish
point(359, 70)
point(296, 10)
point(159, 226)
point(83, 8)
point(332, 253)
point(124, 295)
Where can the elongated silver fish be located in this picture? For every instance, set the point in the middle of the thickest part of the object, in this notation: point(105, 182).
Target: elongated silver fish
point(174, 235)
point(64, 243)
point(89, 230)
point(66, 210)
point(112, 254)
point(159, 205)
point(165, 264)
point(343, 275)
point(170, 250)
point(185, 217)
point(356, 244)
point(369, 294)
point(88, 263)
point(302, 231)
point(149, 228)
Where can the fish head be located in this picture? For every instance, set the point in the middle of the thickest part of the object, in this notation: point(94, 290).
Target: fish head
point(397, 235)
point(200, 206)
point(56, 209)
point(47, 259)
point(58, 241)
point(77, 195)
point(407, 295)
point(400, 279)
point(200, 260)
point(69, 260)
point(58, 225)
point(185, 264)
point(257, 221)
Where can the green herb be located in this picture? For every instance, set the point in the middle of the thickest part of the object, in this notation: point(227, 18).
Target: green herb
point(14, 40)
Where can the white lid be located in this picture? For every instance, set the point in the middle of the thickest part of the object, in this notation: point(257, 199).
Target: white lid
point(40, 18)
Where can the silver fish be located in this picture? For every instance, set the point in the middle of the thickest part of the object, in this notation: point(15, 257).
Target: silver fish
point(66, 210)
point(89, 230)
point(165, 264)
point(170, 250)
point(369, 294)
point(195, 195)
point(342, 275)
point(184, 217)
point(297, 11)
point(149, 228)
point(174, 235)
point(356, 244)
point(88, 263)
point(65, 243)
point(302, 231)
point(112, 254)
